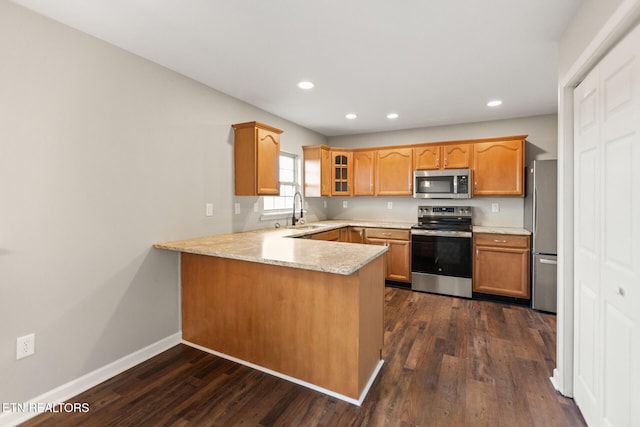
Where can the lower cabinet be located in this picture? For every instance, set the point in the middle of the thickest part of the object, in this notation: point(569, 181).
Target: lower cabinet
point(356, 235)
point(331, 235)
point(398, 256)
point(336, 235)
point(501, 264)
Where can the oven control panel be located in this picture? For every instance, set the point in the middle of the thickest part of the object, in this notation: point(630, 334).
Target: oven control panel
point(459, 211)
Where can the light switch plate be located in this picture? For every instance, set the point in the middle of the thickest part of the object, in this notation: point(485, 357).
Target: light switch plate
point(495, 207)
point(345, 204)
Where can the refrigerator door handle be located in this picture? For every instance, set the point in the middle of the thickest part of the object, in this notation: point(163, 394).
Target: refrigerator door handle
point(535, 213)
point(548, 261)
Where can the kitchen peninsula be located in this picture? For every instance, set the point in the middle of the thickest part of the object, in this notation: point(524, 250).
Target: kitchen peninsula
point(306, 310)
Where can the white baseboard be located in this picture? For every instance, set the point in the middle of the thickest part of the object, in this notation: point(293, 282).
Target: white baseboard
point(311, 386)
point(85, 382)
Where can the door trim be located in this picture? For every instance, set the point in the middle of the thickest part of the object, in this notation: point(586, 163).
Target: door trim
point(621, 21)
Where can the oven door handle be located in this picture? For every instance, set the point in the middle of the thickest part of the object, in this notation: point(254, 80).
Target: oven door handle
point(441, 233)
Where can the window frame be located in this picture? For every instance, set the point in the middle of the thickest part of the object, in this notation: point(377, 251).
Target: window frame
point(284, 202)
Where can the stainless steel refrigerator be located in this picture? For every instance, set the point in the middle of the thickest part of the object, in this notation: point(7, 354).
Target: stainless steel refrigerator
point(540, 217)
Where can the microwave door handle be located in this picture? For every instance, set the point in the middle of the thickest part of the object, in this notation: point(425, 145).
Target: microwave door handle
point(455, 184)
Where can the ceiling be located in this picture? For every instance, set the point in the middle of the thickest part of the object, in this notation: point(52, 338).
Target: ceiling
point(433, 62)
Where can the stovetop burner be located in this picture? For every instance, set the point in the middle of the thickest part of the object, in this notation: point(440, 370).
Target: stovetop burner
point(444, 218)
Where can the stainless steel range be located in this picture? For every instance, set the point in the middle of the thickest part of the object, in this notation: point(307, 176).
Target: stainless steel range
point(441, 252)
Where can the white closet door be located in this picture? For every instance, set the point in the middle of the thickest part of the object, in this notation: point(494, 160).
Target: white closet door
point(607, 244)
point(587, 247)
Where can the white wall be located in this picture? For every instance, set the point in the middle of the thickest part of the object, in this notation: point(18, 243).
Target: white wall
point(102, 154)
point(541, 144)
point(588, 20)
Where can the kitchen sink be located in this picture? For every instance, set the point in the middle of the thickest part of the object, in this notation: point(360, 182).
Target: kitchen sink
point(303, 227)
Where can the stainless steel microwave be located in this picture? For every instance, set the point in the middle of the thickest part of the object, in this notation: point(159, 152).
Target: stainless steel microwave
point(442, 184)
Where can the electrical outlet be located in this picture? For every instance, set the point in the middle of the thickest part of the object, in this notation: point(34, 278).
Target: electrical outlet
point(237, 208)
point(25, 346)
point(345, 204)
point(495, 207)
point(325, 204)
point(389, 205)
point(208, 209)
point(256, 207)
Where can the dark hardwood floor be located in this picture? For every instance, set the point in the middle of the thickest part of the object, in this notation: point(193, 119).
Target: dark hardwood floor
point(448, 362)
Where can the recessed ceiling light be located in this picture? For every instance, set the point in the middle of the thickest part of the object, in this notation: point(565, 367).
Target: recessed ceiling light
point(305, 85)
point(392, 116)
point(351, 116)
point(494, 103)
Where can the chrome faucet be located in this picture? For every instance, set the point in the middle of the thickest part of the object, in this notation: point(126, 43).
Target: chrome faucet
point(293, 217)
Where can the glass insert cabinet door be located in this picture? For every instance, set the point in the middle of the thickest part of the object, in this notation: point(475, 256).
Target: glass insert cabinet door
point(341, 164)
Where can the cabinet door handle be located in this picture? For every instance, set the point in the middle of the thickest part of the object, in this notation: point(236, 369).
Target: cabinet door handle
point(500, 241)
point(477, 254)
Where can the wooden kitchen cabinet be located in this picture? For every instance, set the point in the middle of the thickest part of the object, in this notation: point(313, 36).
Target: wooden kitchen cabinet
point(331, 235)
point(256, 158)
point(497, 165)
point(398, 256)
point(453, 156)
point(498, 168)
point(335, 235)
point(363, 173)
point(341, 173)
point(317, 170)
point(394, 172)
point(457, 156)
point(427, 157)
point(356, 235)
point(501, 264)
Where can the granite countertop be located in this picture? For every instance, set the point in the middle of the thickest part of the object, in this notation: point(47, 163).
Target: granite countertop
point(275, 246)
point(500, 230)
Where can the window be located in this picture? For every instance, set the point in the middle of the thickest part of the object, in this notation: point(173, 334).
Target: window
point(288, 184)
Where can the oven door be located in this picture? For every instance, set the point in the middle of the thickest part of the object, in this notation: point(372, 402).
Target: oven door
point(447, 253)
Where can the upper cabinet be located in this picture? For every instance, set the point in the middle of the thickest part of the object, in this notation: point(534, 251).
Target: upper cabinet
point(363, 173)
point(498, 168)
point(427, 157)
point(497, 165)
point(341, 172)
point(394, 172)
point(457, 156)
point(452, 156)
point(256, 157)
point(317, 171)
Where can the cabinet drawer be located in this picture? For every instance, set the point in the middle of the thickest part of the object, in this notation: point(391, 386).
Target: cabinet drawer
point(387, 233)
point(500, 240)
